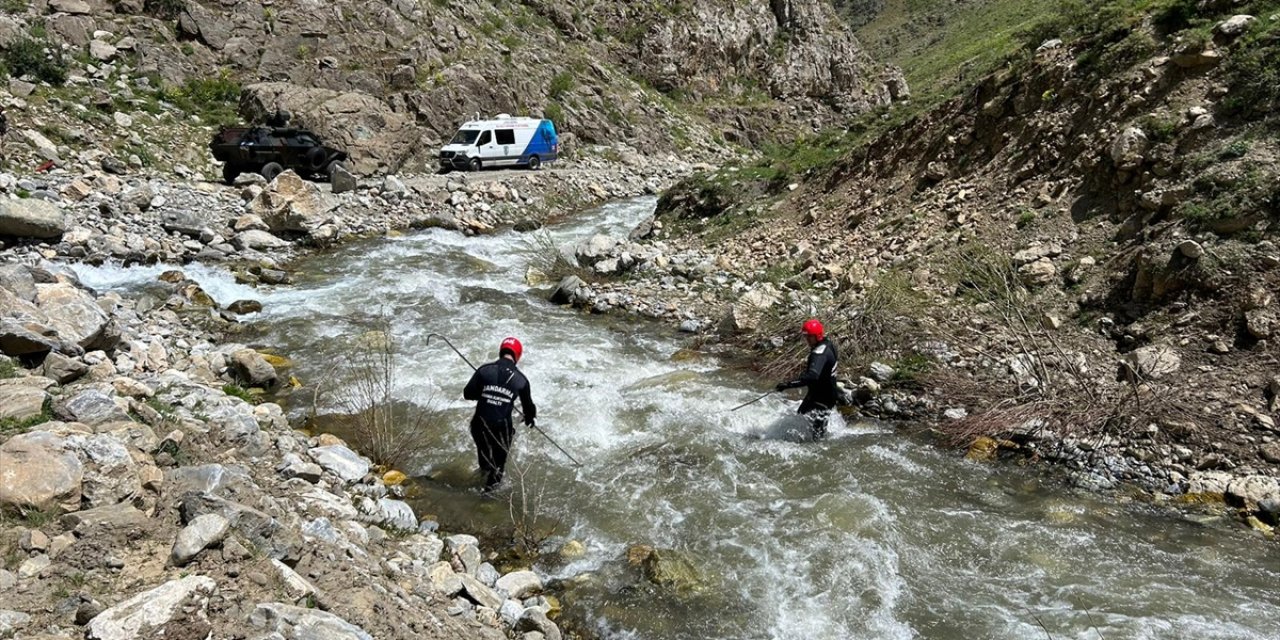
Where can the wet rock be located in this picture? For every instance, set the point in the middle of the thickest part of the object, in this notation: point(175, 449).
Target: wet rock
point(300, 623)
point(342, 462)
point(31, 218)
point(1249, 491)
point(567, 292)
point(253, 370)
point(242, 307)
point(671, 569)
point(38, 471)
point(203, 532)
point(519, 584)
point(148, 612)
point(535, 621)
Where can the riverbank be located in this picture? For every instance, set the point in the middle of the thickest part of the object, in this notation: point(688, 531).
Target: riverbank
point(141, 491)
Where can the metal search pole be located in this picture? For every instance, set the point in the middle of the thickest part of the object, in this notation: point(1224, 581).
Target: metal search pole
point(473, 368)
point(747, 404)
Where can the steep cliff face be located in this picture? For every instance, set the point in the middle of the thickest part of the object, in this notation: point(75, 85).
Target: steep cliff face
point(661, 76)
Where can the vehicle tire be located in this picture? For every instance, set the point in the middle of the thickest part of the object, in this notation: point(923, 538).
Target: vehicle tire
point(535, 163)
point(271, 170)
point(317, 159)
point(476, 165)
point(230, 172)
point(444, 170)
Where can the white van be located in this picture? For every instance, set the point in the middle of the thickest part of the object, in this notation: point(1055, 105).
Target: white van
point(502, 142)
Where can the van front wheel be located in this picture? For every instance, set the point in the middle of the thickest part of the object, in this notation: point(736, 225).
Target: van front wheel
point(534, 163)
point(475, 164)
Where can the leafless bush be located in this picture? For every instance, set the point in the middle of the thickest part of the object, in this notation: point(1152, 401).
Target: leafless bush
point(547, 257)
point(526, 505)
point(393, 433)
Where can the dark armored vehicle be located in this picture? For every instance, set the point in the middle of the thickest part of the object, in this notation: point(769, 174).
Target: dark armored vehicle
point(269, 150)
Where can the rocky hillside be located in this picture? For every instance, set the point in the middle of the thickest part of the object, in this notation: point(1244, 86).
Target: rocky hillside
point(1077, 256)
point(391, 79)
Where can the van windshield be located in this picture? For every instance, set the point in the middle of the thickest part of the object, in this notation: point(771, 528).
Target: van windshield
point(465, 136)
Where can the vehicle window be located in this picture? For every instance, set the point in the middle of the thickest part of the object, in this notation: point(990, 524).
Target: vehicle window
point(506, 136)
point(485, 138)
point(465, 137)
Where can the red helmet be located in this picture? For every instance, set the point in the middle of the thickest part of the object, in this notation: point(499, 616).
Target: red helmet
point(512, 345)
point(814, 328)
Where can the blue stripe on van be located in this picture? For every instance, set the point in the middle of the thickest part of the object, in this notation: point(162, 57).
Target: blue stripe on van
point(545, 143)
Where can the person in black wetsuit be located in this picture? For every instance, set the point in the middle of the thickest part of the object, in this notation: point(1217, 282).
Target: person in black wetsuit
point(820, 378)
point(495, 387)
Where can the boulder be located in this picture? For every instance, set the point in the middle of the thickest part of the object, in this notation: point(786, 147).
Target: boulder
point(296, 586)
point(146, 614)
point(256, 239)
point(1261, 323)
point(1039, 273)
point(1150, 363)
point(38, 471)
point(73, 7)
point(91, 407)
point(31, 218)
point(300, 623)
point(76, 316)
point(596, 249)
point(1249, 491)
point(567, 292)
point(290, 203)
point(378, 139)
point(745, 315)
point(464, 552)
point(1235, 26)
point(1129, 148)
point(253, 370)
point(341, 180)
point(110, 474)
point(203, 532)
point(519, 584)
point(17, 279)
point(476, 591)
point(342, 462)
point(534, 621)
point(62, 369)
point(21, 402)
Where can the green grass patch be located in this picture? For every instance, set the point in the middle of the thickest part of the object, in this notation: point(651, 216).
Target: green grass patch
point(237, 391)
point(215, 99)
point(7, 368)
point(34, 57)
point(14, 426)
point(560, 85)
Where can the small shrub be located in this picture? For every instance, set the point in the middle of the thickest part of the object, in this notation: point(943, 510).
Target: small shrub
point(1026, 218)
point(7, 368)
point(28, 56)
point(561, 84)
point(555, 113)
point(1236, 150)
point(547, 257)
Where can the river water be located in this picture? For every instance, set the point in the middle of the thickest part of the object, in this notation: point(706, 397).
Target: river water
point(864, 535)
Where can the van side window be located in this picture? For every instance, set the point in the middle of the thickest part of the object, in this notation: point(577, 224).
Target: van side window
point(506, 136)
point(484, 139)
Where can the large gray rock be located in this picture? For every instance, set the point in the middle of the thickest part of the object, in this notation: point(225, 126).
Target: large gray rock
point(533, 620)
point(255, 527)
point(463, 552)
point(378, 139)
point(38, 471)
point(110, 473)
point(595, 249)
point(296, 586)
point(519, 584)
point(21, 402)
point(1150, 363)
point(31, 218)
point(17, 279)
point(744, 316)
point(145, 614)
point(348, 465)
point(478, 593)
point(290, 203)
point(569, 290)
point(342, 180)
point(76, 316)
point(255, 239)
point(253, 370)
point(299, 623)
point(62, 369)
point(1250, 491)
point(203, 532)
point(213, 479)
point(1129, 148)
point(393, 514)
point(92, 407)
point(11, 622)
